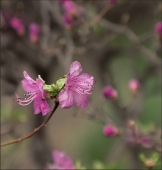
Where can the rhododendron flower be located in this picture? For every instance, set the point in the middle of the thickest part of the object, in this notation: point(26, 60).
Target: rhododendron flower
point(77, 87)
point(70, 8)
point(68, 21)
point(17, 25)
point(110, 92)
point(134, 85)
point(158, 28)
point(110, 131)
point(34, 32)
point(61, 161)
point(35, 93)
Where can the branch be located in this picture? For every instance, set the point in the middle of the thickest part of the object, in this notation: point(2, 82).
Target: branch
point(35, 130)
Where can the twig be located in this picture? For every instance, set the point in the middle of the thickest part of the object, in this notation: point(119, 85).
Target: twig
point(101, 14)
point(35, 130)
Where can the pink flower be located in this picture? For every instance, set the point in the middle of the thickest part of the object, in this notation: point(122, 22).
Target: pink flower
point(110, 131)
point(146, 141)
point(158, 28)
point(134, 85)
point(17, 25)
point(34, 32)
point(70, 8)
point(77, 87)
point(36, 93)
point(61, 161)
point(68, 21)
point(110, 92)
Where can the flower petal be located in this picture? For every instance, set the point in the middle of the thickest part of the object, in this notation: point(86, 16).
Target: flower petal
point(37, 104)
point(81, 100)
point(86, 77)
point(28, 86)
point(45, 108)
point(40, 84)
point(75, 69)
point(66, 98)
point(27, 77)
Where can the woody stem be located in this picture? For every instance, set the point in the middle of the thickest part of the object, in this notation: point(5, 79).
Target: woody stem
point(35, 130)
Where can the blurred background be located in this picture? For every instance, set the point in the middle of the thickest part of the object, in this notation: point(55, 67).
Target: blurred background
point(115, 41)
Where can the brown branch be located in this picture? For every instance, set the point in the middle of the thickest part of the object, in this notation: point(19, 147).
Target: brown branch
point(35, 130)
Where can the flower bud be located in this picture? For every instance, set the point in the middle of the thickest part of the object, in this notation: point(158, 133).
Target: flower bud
point(110, 131)
point(70, 8)
point(158, 28)
point(68, 21)
point(34, 32)
point(110, 92)
point(134, 85)
point(17, 25)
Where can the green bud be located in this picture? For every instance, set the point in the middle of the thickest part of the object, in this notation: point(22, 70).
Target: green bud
point(54, 89)
point(60, 83)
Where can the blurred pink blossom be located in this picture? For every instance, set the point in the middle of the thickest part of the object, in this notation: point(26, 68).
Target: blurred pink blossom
point(134, 85)
point(68, 21)
point(61, 161)
point(110, 131)
point(34, 32)
point(70, 8)
point(112, 1)
point(158, 28)
point(17, 25)
point(110, 92)
point(77, 87)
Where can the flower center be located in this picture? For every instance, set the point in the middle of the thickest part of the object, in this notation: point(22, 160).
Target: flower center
point(23, 101)
point(81, 86)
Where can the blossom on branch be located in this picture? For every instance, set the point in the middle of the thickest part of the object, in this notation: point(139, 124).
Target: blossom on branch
point(110, 92)
point(35, 93)
point(61, 161)
point(17, 25)
point(77, 87)
point(134, 85)
point(34, 32)
point(110, 131)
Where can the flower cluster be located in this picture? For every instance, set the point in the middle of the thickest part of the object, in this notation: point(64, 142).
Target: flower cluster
point(71, 89)
point(18, 25)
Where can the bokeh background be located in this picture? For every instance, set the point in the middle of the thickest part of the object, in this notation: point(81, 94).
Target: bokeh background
point(114, 43)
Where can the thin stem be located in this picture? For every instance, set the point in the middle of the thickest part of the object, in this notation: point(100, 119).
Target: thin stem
point(35, 130)
point(101, 14)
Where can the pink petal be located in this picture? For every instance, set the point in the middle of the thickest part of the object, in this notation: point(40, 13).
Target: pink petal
point(27, 77)
point(45, 108)
point(86, 77)
point(28, 86)
point(40, 84)
point(81, 100)
point(37, 104)
point(66, 98)
point(58, 157)
point(75, 69)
